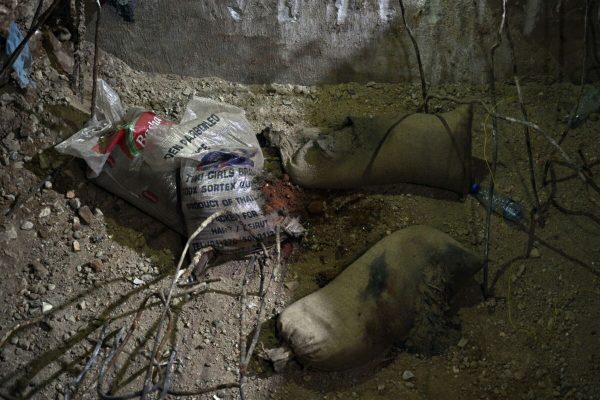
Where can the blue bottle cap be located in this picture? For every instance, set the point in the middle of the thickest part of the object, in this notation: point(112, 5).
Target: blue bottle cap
point(475, 188)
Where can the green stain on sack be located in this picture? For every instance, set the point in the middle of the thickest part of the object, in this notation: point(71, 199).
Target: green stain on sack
point(378, 277)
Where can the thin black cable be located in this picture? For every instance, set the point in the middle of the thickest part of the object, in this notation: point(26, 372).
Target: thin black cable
point(488, 214)
point(526, 132)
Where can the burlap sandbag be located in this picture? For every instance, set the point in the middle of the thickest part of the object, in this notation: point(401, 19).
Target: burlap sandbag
point(399, 287)
point(426, 149)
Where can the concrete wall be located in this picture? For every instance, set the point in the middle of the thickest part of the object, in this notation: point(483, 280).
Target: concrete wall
point(317, 41)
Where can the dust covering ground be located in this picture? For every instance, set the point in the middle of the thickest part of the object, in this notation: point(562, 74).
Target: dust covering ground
point(536, 337)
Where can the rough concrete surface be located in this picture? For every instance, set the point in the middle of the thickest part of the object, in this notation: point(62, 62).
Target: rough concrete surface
point(309, 42)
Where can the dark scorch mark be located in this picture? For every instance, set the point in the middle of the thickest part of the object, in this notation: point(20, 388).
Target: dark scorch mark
point(378, 277)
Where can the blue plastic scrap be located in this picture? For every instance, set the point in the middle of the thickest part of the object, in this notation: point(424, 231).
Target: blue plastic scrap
point(24, 61)
point(125, 9)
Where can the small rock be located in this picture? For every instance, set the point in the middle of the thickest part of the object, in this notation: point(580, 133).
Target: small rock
point(86, 215)
point(77, 235)
point(70, 194)
point(534, 253)
point(48, 185)
point(380, 388)
point(27, 225)
point(462, 342)
point(63, 34)
point(97, 238)
point(51, 287)
point(146, 277)
point(316, 207)
point(46, 307)
point(38, 289)
point(98, 212)
point(76, 246)
point(298, 89)
point(14, 340)
point(45, 212)
point(96, 265)
point(218, 324)
point(43, 232)
point(75, 203)
point(39, 269)
point(11, 233)
point(82, 305)
point(407, 375)
point(138, 282)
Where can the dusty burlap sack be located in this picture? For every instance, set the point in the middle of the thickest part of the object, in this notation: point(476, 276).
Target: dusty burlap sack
point(398, 287)
point(426, 149)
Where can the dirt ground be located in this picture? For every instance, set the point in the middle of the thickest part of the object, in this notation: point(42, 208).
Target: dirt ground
point(535, 337)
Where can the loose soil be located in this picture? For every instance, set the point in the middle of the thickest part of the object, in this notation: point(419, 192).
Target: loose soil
point(534, 337)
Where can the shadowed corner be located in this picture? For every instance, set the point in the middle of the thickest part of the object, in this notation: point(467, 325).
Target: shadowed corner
point(460, 266)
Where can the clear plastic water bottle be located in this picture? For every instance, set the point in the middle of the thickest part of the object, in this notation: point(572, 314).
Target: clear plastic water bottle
point(505, 206)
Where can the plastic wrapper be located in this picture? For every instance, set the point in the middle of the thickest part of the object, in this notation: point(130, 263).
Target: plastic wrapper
point(112, 143)
point(219, 159)
point(22, 64)
point(181, 174)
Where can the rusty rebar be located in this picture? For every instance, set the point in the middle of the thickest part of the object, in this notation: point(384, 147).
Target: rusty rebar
point(95, 67)
point(417, 53)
